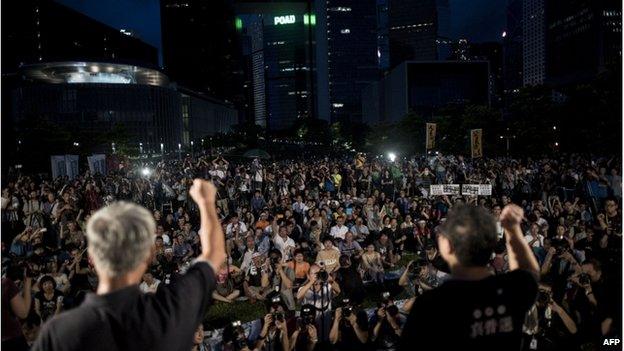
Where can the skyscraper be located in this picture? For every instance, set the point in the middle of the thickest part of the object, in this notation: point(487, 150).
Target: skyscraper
point(534, 45)
point(415, 27)
point(289, 65)
point(584, 38)
point(352, 55)
point(512, 48)
point(201, 49)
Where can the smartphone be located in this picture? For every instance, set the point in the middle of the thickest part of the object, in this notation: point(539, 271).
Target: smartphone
point(349, 211)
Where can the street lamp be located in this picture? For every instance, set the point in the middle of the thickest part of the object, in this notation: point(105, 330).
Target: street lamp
point(113, 147)
point(76, 143)
point(162, 148)
point(141, 148)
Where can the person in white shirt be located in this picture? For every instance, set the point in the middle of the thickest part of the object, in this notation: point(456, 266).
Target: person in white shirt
point(534, 238)
point(149, 284)
point(235, 226)
point(339, 230)
point(284, 243)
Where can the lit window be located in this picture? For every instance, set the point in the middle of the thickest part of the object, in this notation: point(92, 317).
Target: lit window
point(337, 105)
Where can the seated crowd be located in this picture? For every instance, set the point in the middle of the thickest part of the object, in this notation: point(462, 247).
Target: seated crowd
point(316, 241)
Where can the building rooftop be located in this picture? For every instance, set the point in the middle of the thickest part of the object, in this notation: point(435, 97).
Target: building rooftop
point(93, 72)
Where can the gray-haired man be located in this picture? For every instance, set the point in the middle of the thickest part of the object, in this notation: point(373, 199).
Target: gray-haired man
point(119, 317)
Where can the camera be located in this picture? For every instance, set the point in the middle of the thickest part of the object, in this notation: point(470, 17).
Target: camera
point(275, 260)
point(322, 275)
point(278, 316)
point(385, 299)
point(347, 309)
point(235, 334)
point(308, 314)
point(584, 279)
point(561, 246)
point(543, 297)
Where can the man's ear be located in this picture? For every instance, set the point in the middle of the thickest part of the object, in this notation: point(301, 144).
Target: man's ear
point(445, 247)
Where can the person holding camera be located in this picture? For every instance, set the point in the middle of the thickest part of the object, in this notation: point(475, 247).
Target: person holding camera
point(305, 336)
point(235, 339)
point(475, 309)
point(350, 328)
point(548, 326)
point(388, 325)
point(279, 277)
point(590, 296)
point(274, 333)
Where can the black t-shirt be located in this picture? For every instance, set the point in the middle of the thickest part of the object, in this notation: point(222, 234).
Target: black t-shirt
point(126, 319)
point(471, 315)
point(47, 307)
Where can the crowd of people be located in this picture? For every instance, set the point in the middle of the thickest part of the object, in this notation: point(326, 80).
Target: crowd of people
point(318, 240)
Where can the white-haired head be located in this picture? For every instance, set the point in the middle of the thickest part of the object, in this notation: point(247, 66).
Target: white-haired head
point(120, 238)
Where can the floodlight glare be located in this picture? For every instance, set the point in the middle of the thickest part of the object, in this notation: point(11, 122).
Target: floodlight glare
point(392, 156)
point(146, 171)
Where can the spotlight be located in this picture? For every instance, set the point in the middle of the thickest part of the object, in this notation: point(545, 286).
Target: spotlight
point(391, 156)
point(146, 171)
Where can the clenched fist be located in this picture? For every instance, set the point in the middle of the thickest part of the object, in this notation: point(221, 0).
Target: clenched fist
point(511, 216)
point(203, 192)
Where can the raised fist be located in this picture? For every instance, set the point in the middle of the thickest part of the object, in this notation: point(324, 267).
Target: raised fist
point(203, 191)
point(511, 216)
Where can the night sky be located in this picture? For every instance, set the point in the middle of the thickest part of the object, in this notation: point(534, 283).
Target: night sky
point(476, 20)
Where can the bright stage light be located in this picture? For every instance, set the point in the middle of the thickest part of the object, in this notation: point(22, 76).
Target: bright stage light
point(391, 156)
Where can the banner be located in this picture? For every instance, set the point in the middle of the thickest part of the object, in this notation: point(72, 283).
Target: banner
point(476, 146)
point(477, 189)
point(97, 163)
point(64, 165)
point(430, 135)
point(444, 189)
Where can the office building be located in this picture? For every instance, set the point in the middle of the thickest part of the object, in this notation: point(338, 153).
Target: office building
point(583, 39)
point(36, 31)
point(534, 42)
point(91, 99)
point(201, 48)
point(424, 88)
point(352, 55)
point(415, 29)
point(512, 48)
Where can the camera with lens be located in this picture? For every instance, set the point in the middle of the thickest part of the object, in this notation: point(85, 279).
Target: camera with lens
point(544, 297)
point(385, 300)
point(347, 309)
point(584, 279)
point(308, 315)
point(417, 266)
point(322, 276)
point(561, 246)
point(235, 334)
point(278, 316)
point(275, 260)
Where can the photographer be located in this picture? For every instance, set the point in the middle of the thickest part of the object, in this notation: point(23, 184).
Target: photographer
point(490, 310)
point(279, 277)
point(350, 328)
point(305, 337)
point(234, 338)
point(548, 326)
point(274, 334)
point(388, 326)
point(15, 306)
point(590, 297)
point(350, 280)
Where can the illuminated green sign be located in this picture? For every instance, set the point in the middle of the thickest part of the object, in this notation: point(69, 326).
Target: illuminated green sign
point(288, 19)
point(309, 19)
point(238, 23)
